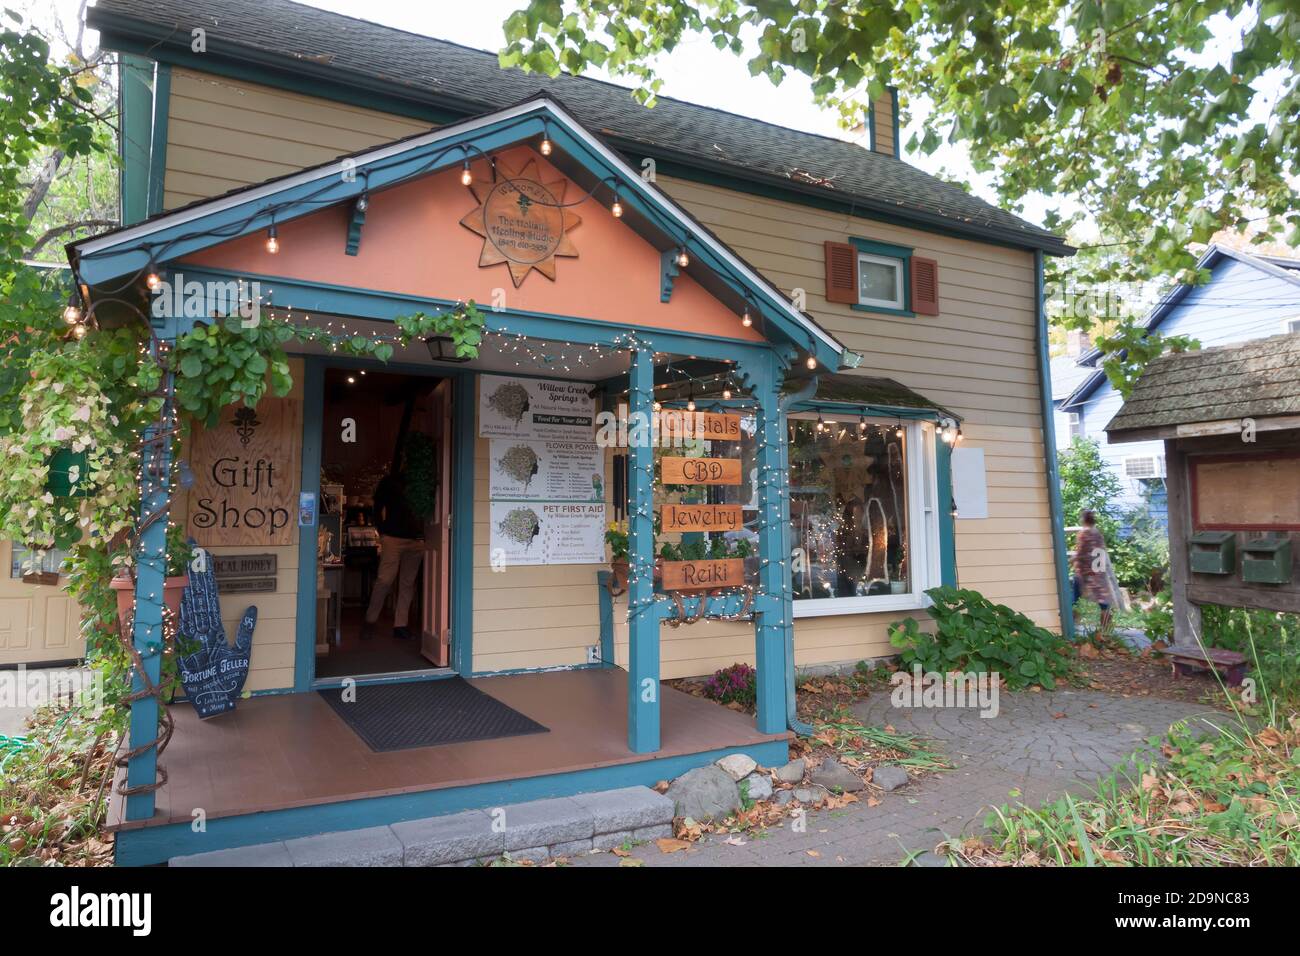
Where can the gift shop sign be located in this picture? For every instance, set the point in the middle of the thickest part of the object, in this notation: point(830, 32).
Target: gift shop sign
point(246, 471)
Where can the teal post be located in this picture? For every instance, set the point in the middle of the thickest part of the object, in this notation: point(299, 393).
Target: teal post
point(947, 522)
point(643, 623)
point(147, 636)
point(772, 627)
point(313, 394)
point(135, 75)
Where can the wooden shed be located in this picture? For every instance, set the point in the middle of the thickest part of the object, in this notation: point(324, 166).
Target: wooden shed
point(1230, 421)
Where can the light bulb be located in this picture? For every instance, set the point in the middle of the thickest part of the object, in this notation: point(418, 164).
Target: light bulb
point(812, 362)
point(617, 209)
point(726, 394)
point(656, 406)
point(72, 314)
point(363, 202)
point(79, 331)
point(272, 243)
point(690, 405)
point(546, 146)
point(152, 280)
point(746, 320)
point(466, 177)
point(683, 260)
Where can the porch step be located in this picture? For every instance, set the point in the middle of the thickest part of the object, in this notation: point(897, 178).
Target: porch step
point(533, 831)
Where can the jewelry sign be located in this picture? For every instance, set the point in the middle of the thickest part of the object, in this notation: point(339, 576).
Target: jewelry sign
point(522, 219)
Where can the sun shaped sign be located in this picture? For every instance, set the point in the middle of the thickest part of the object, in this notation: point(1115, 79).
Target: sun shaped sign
point(522, 220)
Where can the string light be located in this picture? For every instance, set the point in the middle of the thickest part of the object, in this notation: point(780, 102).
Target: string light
point(466, 177)
point(363, 202)
point(812, 362)
point(617, 208)
point(72, 314)
point(683, 260)
point(152, 280)
point(272, 242)
point(746, 320)
point(546, 144)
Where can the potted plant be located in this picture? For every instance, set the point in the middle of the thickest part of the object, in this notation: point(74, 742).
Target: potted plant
point(179, 556)
point(616, 538)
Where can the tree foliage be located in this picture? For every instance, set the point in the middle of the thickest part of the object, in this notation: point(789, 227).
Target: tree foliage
point(1160, 121)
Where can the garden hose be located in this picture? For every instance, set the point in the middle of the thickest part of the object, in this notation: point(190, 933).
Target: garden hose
point(11, 747)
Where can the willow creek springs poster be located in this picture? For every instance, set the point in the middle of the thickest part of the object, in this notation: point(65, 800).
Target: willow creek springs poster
point(546, 477)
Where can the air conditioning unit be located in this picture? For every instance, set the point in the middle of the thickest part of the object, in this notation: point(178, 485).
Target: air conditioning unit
point(1291, 326)
point(1144, 466)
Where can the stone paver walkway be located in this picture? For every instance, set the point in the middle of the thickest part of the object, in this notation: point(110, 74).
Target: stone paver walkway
point(1039, 746)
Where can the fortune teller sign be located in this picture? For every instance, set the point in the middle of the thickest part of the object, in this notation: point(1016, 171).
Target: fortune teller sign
point(212, 671)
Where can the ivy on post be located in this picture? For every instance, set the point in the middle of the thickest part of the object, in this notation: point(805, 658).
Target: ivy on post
point(764, 375)
point(643, 623)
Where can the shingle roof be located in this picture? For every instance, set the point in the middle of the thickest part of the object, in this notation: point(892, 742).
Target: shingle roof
point(851, 388)
point(317, 43)
point(1256, 379)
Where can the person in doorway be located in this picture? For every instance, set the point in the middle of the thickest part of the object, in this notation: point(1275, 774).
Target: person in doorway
point(1091, 571)
point(401, 550)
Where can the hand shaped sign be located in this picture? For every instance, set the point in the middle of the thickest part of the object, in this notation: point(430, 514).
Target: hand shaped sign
point(212, 671)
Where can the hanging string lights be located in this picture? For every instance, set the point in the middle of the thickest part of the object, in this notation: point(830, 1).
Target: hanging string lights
point(272, 241)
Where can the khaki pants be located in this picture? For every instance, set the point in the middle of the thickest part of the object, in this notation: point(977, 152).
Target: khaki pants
point(399, 558)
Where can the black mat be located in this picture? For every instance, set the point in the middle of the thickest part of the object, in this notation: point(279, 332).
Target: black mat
point(427, 713)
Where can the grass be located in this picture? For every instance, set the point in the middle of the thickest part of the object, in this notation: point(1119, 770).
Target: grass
point(53, 791)
point(1230, 799)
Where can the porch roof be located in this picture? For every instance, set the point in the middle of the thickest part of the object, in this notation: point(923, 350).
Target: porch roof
point(863, 391)
point(578, 153)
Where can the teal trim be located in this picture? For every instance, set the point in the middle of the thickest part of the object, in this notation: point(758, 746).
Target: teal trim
point(947, 525)
point(1064, 588)
point(888, 250)
point(643, 689)
point(606, 617)
point(151, 845)
point(871, 125)
point(162, 92)
point(464, 405)
point(893, 95)
point(512, 671)
point(772, 626)
point(134, 77)
point(668, 272)
point(792, 720)
point(374, 680)
point(313, 408)
point(871, 411)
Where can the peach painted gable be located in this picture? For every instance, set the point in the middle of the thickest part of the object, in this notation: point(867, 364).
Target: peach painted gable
point(413, 243)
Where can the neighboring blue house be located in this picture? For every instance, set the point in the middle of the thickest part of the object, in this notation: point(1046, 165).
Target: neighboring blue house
point(1246, 297)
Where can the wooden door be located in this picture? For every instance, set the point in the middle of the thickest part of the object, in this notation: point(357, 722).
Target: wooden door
point(436, 626)
point(39, 623)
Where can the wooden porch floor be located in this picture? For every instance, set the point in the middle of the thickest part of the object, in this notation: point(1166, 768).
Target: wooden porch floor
point(292, 750)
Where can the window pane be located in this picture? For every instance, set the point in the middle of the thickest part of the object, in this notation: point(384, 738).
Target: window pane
point(848, 508)
point(23, 561)
point(877, 280)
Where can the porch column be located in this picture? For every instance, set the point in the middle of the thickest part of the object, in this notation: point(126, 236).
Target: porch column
point(771, 627)
point(643, 623)
point(147, 636)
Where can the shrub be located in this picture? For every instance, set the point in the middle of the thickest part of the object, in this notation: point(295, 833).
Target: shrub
point(737, 683)
point(1270, 640)
point(974, 634)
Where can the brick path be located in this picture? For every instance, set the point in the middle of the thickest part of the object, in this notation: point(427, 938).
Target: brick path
point(1040, 745)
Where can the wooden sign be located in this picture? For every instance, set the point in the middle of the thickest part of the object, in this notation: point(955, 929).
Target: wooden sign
point(709, 426)
point(246, 473)
point(701, 517)
point(699, 471)
point(1251, 492)
point(703, 575)
point(523, 221)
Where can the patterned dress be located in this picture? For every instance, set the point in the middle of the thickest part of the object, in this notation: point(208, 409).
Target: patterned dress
point(1090, 565)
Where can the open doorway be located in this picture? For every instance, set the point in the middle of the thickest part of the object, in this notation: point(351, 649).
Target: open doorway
point(383, 599)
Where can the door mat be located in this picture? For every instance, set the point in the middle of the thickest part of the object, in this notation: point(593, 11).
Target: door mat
point(427, 714)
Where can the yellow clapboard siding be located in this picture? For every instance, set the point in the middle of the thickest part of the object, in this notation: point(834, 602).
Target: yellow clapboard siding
point(276, 678)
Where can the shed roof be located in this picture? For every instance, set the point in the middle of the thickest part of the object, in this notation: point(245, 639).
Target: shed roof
point(1257, 379)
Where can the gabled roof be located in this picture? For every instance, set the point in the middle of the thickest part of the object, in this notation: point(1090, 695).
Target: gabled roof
point(1256, 379)
point(175, 234)
point(1276, 266)
point(330, 48)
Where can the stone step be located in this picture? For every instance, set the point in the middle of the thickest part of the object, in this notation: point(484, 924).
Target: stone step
point(533, 831)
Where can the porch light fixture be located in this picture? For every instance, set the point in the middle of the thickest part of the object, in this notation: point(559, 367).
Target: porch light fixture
point(683, 260)
point(272, 243)
point(443, 349)
point(466, 177)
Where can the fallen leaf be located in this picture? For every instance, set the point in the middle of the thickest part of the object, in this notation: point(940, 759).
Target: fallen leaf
point(1269, 737)
point(734, 841)
point(1059, 715)
point(812, 853)
point(670, 845)
point(619, 851)
point(872, 802)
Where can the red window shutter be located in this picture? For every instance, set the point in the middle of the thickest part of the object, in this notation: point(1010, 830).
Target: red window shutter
point(841, 272)
point(925, 286)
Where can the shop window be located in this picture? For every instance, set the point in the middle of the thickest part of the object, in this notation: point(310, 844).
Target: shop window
point(23, 561)
point(862, 512)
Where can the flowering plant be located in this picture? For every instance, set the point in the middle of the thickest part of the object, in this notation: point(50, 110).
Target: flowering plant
point(616, 538)
point(738, 683)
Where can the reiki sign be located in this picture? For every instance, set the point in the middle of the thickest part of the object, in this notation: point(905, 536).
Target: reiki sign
point(703, 575)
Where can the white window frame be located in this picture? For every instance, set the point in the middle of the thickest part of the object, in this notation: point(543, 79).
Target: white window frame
point(1291, 325)
point(922, 527)
point(1074, 421)
point(899, 301)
